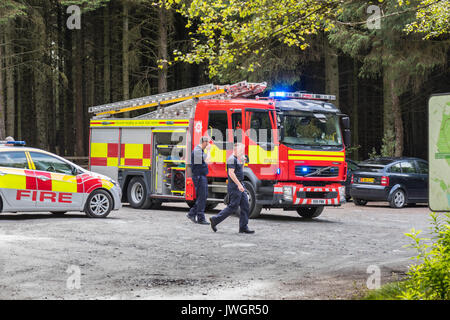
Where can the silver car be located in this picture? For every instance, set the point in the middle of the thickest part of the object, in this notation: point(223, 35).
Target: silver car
point(37, 180)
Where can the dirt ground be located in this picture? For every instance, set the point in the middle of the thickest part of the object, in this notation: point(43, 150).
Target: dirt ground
point(160, 254)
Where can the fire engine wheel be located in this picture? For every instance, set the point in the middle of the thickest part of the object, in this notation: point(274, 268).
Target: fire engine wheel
point(310, 212)
point(99, 204)
point(255, 209)
point(211, 205)
point(137, 194)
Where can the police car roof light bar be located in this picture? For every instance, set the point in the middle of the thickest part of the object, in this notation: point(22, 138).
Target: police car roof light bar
point(13, 143)
point(301, 95)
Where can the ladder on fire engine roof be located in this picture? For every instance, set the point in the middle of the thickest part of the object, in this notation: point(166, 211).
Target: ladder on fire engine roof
point(241, 89)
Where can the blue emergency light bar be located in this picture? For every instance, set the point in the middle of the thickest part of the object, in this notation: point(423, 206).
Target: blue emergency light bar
point(13, 143)
point(301, 95)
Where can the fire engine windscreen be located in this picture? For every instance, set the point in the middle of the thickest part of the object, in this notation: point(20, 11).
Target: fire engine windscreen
point(310, 129)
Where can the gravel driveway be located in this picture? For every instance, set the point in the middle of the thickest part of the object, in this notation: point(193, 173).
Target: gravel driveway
point(160, 254)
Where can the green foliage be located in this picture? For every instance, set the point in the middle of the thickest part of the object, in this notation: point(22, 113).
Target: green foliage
point(10, 9)
point(228, 31)
point(235, 36)
point(390, 291)
point(409, 58)
point(85, 5)
point(430, 279)
point(387, 146)
point(432, 18)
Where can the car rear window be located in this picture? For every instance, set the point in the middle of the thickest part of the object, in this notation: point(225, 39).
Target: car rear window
point(371, 168)
point(380, 162)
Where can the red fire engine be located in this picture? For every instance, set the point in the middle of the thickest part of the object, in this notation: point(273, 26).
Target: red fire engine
point(294, 144)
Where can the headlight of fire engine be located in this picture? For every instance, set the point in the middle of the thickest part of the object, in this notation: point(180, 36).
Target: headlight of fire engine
point(342, 194)
point(287, 193)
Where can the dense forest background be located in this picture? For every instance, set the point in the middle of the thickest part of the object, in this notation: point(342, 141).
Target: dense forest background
point(50, 74)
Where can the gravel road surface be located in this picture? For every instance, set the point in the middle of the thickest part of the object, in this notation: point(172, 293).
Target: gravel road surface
point(160, 254)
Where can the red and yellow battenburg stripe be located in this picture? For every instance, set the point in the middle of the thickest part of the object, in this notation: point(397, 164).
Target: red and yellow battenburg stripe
point(24, 179)
point(131, 154)
point(338, 156)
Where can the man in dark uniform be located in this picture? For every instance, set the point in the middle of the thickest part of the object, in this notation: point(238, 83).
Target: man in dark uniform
point(236, 192)
point(200, 162)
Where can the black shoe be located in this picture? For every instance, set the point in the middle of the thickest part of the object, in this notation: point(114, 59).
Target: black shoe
point(247, 230)
point(213, 225)
point(191, 218)
point(203, 222)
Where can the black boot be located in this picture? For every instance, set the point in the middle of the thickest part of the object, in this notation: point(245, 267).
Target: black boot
point(246, 230)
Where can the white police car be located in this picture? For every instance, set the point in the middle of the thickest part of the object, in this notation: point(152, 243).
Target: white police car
point(37, 180)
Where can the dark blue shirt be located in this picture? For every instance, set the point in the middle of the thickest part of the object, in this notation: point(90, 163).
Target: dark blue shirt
point(234, 163)
point(199, 165)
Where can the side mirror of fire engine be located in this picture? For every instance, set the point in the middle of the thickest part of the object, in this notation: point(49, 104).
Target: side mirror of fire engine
point(346, 122)
point(347, 138)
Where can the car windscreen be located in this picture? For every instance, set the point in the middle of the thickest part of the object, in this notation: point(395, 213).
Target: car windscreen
point(310, 129)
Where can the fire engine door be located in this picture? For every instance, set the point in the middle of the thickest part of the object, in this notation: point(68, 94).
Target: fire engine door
point(261, 142)
point(222, 146)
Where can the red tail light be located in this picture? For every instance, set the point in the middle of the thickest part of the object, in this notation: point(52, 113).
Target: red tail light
point(352, 178)
point(384, 181)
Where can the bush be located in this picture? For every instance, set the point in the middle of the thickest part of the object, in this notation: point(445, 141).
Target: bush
point(430, 279)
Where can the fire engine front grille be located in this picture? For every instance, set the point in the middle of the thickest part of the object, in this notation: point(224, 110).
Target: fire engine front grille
point(301, 171)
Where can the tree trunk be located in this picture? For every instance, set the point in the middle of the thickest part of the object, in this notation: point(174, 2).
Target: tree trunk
point(331, 71)
point(125, 54)
point(398, 121)
point(116, 56)
point(68, 123)
point(78, 92)
point(162, 50)
point(89, 76)
point(388, 123)
point(9, 66)
point(106, 55)
point(2, 99)
point(40, 80)
point(354, 119)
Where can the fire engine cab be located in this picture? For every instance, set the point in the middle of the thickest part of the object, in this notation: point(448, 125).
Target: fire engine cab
point(294, 142)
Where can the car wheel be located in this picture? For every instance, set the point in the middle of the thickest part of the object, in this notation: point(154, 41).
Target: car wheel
point(58, 213)
point(99, 204)
point(255, 209)
point(398, 199)
point(137, 194)
point(359, 202)
point(310, 212)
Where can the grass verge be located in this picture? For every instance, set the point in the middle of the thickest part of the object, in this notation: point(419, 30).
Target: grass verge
point(389, 291)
